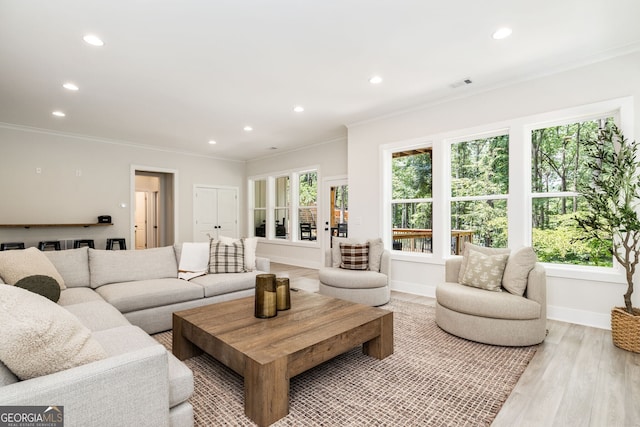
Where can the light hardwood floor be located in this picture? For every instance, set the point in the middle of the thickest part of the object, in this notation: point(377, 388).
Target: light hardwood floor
point(577, 377)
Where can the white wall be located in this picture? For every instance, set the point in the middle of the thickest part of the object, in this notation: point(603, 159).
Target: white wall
point(577, 300)
point(57, 195)
point(331, 160)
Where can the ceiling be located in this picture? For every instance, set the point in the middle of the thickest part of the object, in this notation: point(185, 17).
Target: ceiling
point(177, 74)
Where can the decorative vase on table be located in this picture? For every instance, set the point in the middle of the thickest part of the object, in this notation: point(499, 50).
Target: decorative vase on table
point(265, 298)
point(283, 294)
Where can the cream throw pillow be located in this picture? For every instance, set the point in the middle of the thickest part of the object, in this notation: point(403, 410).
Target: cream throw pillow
point(39, 337)
point(250, 246)
point(483, 250)
point(16, 265)
point(516, 273)
point(484, 271)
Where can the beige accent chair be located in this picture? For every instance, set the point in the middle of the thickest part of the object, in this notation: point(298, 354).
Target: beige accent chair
point(369, 287)
point(497, 318)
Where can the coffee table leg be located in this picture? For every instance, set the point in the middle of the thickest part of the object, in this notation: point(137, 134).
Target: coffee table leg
point(266, 391)
point(181, 347)
point(382, 345)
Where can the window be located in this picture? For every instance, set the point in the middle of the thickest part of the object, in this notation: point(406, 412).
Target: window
point(260, 207)
point(412, 200)
point(280, 203)
point(308, 205)
point(282, 207)
point(479, 190)
point(557, 170)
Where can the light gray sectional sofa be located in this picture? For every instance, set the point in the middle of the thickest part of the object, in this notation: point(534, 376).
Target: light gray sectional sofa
point(122, 297)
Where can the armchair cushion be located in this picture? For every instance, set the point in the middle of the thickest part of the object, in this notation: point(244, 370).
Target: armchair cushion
point(486, 251)
point(516, 273)
point(354, 256)
point(484, 271)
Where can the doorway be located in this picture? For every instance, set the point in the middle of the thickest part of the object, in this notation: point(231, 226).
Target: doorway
point(153, 203)
point(336, 211)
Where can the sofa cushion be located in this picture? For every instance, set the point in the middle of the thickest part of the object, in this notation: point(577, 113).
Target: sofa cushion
point(129, 338)
point(50, 337)
point(354, 256)
point(355, 279)
point(97, 315)
point(478, 302)
point(14, 265)
point(78, 295)
point(224, 283)
point(516, 273)
point(125, 266)
point(226, 258)
point(46, 286)
point(141, 294)
point(483, 250)
point(484, 271)
point(73, 266)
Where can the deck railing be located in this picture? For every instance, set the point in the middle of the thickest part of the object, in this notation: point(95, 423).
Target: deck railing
point(421, 240)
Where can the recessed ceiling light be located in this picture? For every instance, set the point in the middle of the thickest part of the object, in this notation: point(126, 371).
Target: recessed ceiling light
point(212, 142)
point(93, 40)
point(502, 33)
point(248, 128)
point(58, 114)
point(298, 108)
point(70, 86)
point(375, 80)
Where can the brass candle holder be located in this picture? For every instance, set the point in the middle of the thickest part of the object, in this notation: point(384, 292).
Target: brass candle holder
point(265, 299)
point(283, 294)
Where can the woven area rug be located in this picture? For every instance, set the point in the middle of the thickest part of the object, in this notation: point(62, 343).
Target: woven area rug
point(432, 379)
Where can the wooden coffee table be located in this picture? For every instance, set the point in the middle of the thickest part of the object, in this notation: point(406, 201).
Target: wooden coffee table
point(268, 352)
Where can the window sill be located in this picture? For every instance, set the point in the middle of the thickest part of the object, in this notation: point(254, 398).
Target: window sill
point(591, 274)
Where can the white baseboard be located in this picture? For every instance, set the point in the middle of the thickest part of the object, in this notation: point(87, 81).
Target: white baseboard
point(414, 288)
point(579, 317)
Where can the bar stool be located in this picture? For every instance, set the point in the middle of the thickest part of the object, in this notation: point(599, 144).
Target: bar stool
point(121, 243)
point(9, 246)
point(55, 244)
point(83, 242)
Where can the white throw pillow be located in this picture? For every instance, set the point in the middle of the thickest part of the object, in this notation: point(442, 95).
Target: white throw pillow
point(16, 265)
point(484, 271)
point(376, 248)
point(39, 337)
point(516, 273)
point(250, 245)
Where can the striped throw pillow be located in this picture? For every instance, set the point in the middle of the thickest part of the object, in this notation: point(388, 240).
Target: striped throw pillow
point(354, 256)
point(226, 258)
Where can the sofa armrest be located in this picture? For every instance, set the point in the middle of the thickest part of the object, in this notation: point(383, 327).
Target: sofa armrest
point(128, 389)
point(452, 269)
point(263, 264)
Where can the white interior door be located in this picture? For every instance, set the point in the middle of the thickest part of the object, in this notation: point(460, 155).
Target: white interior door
point(228, 212)
point(215, 213)
point(141, 220)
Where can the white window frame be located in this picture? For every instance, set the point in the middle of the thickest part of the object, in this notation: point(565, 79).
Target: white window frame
point(293, 233)
point(519, 205)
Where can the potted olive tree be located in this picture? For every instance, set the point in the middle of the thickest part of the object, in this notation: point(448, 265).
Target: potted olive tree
point(613, 199)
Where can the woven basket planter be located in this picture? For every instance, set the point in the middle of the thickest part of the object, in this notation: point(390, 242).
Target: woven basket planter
point(625, 329)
